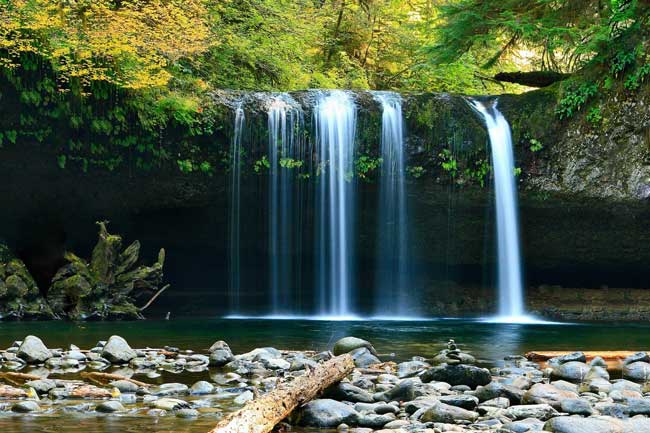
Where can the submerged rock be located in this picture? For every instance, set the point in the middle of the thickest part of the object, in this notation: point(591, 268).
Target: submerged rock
point(201, 387)
point(348, 344)
point(110, 407)
point(25, 407)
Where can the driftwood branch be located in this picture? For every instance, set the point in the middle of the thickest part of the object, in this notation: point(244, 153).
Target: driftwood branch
point(532, 79)
point(263, 414)
point(18, 378)
point(153, 298)
point(104, 378)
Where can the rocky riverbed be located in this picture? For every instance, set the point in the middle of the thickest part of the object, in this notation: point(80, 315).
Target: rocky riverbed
point(452, 391)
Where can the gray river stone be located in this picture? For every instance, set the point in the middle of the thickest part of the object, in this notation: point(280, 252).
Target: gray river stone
point(348, 392)
point(575, 424)
point(638, 406)
point(445, 413)
point(201, 388)
point(33, 351)
point(465, 401)
point(327, 413)
point(443, 357)
point(276, 364)
point(458, 375)
point(41, 386)
point(637, 357)
point(220, 354)
point(573, 371)
point(624, 384)
point(170, 389)
point(411, 368)
point(542, 393)
point(125, 386)
point(348, 344)
point(26, 407)
point(538, 411)
point(499, 402)
point(524, 425)
point(110, 407)
point(569, 357)
point(496, 389)
point(187, 413)
point(576, 406)
point(244, 398)
point(597, 372)
point(375, 421)
point(637, 371)
point(595, 385)
point(118, 351)
point(615, 410)
point(363, 357)
point(565, 386)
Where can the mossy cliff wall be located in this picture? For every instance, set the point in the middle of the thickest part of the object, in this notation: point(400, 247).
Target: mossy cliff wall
point(583, 194)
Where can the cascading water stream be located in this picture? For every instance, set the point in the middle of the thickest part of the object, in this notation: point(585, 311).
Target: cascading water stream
point(335, 119)
point(286, 150)
point(511, 293)
point(235, 205)
point(392, 279)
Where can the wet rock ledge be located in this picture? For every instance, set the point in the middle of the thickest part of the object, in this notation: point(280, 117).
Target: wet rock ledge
point(452, 391)
point(105, 287)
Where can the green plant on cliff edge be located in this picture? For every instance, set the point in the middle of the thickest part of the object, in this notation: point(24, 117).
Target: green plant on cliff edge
point(479, 171)
point(575, 99)
point(365, 165)
point(416, 171)
point(448, 162)
point(594, 116)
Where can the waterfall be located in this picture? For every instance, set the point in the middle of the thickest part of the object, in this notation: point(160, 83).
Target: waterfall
point(235, 204)
point(392, 280)
point(335, 119)
point(511, 296)
point(286, 151)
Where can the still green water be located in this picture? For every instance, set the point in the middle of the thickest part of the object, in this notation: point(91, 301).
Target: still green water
point(394, 341)
point(488, 341)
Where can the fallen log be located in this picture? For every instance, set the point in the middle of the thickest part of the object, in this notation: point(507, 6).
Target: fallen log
point(613, 358)
point(532, 79)
point(263, 414)
point(104, 378)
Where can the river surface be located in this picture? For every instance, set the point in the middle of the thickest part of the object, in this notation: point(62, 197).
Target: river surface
point(394, 340)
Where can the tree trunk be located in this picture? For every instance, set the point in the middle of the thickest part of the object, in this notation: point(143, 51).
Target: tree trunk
point(262, 415)
point(532, 79)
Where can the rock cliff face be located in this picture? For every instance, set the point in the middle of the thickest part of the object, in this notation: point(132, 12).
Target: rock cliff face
point(582, 196)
